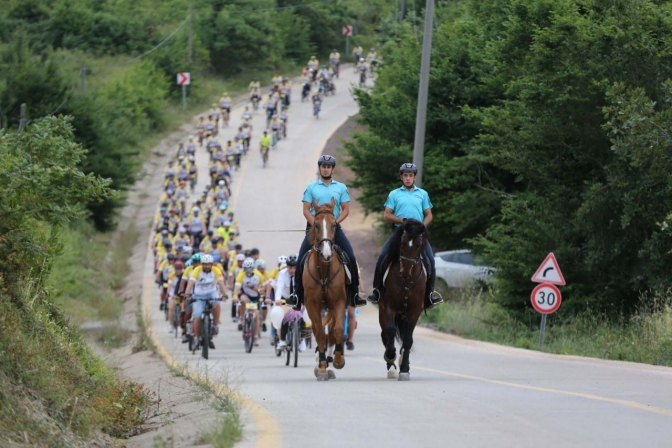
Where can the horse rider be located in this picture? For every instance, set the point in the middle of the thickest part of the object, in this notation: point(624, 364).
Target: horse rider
point(406, 202)
point(323, 191)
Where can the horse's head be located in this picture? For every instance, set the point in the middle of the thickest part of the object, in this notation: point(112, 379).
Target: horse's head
point(412, 242)
point(324, 229)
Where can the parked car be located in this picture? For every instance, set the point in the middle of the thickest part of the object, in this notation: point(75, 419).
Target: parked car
point(459, 268)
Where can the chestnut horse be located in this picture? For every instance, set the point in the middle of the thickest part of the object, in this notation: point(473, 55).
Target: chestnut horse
point(402, 296)
point(324, 284)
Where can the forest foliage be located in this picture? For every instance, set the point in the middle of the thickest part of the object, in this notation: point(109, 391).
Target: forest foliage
point(112, 65)
point(548, 130)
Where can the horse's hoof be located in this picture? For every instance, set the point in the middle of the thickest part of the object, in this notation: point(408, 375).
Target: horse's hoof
point(322, 376)
point(392, 373)
point(331, 374)
point(339, 362)
point(404, 376)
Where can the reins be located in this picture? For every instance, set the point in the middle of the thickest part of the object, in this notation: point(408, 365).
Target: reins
point(408, 286)
point(324, 280)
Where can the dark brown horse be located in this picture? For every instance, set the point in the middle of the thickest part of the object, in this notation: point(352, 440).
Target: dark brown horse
point(402, 298)
point(325, 287)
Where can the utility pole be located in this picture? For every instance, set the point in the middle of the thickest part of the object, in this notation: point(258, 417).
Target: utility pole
point(423, 92)
point(82, 76)
point(22, 119)
point(190, 50)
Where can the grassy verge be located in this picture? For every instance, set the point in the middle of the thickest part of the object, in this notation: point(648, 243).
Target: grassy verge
point(646, 337)
point(53, 390)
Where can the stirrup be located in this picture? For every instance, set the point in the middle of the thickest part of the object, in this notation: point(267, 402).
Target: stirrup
point(358, 301)
point(374, 296)
point(434, 299)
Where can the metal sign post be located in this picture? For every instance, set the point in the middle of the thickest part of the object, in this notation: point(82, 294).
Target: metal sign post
point(184, 79)
point(546, 297)
point(347, 32)
point(347, 46)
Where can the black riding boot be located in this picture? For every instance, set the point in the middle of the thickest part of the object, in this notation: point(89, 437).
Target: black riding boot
point(432, 297)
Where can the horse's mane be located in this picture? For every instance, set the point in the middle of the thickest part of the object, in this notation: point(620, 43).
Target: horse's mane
point(411, 226)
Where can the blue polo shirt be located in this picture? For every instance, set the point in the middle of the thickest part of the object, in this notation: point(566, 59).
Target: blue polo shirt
point(323, 194)
point(408, 204)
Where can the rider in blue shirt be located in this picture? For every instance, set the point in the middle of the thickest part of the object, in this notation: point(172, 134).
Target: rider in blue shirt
point(407, 202)
point(323, 191)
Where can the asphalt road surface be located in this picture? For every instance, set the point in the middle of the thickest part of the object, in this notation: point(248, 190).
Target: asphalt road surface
point(461, 393)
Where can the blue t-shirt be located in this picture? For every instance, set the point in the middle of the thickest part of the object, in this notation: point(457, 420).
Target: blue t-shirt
point(323, 194)
point(409, 204)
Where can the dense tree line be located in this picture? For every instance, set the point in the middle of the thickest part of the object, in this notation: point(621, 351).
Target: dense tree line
point(548, 130)
point(45, 46)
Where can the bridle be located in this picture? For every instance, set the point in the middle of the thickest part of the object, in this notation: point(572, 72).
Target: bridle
point(324, 277)
point(405, 285)
point(318, 243)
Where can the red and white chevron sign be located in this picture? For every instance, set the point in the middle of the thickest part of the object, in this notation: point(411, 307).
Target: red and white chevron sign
point(347, 30)
point(183, 79)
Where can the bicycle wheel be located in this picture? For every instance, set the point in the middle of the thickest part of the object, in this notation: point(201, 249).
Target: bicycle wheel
point(176, 317)
point(205, 331)
point(249, 337)
point(290, 338)
point(296, 341)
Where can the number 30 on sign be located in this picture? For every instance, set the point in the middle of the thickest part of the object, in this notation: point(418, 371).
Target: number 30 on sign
point(546, 298)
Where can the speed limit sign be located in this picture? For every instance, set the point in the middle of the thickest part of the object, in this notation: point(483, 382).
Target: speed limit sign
point(546, 298)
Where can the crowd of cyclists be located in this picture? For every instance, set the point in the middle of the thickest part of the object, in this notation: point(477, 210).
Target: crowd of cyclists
point(199, 262)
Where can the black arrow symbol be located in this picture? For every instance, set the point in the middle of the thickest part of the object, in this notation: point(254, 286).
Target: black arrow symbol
point(546, 270)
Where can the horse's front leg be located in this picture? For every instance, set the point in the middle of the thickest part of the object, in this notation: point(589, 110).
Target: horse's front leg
point(320, 339)
point(388, 333)
point(338, 333)
point(407, 343)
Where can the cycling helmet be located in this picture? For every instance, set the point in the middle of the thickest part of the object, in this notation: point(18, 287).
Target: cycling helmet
point(185, 257)
point(207, 258)
point(240, 257)
point(408, 168)
point(326, 160)
point(223, 205)
point(260, 264)
point(167, 243)
point(179, 265)
point(361, 59)
point(196, 258)
point(292, 260)
point(282, 259)
point(248, 265)
point(227, 223)
point(216, 258)
point(254, 251)
point(170, 257)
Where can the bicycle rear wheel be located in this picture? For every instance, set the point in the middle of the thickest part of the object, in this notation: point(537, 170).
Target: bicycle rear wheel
point(290, 338)
point(296, 341)
point(205, 331)
point(248, 329)
point(176, 317)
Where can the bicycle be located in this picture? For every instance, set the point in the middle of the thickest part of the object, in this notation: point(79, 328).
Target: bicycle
point(294, 339)
point(248, 325)
point(274, 139)
point(316, 111)
point(177, 315)
point(264, 155)
point(207, 330)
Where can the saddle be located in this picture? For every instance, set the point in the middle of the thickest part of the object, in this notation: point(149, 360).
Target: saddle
point(343, 258)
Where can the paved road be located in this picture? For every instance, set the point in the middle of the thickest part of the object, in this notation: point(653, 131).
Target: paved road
point(461, 393)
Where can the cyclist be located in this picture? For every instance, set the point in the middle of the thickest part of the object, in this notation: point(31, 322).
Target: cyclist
point(203, 283)
point(225, 105)
point(361, 68)
point(408, 201)
point(174, 279)
point(284, 286)
point(264, 144)
point(358, 52)
point(254, 85)
point(317, 102)
point(323, 191)
point(248, 289)
point(335, 60)
point(260, 266)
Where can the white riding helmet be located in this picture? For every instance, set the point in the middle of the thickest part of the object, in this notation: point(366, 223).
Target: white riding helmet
point(240, 257)
point(282, 259)
point(248, 264)
point(207, 258)
point(260, 264)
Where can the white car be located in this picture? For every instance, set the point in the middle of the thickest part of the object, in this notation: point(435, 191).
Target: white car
point(458, 268)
